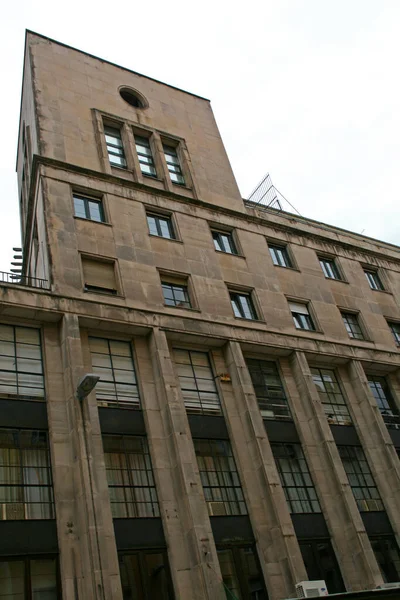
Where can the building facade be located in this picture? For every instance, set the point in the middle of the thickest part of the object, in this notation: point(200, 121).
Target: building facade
point(245, 433)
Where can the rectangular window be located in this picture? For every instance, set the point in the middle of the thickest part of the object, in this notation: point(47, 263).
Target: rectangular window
point(173, 164)
point(29, 578)
point(242, 305)
point(395, 329)
point(115, 148)
point(360, 478)
point(219, 477)
point(385, 401)
point(331, 396)
point(224, 242)
point(26, 490)
point(320, 563)
point(197, 382)
point(145, 156)
point(352, 325)
point(280, 256)
point(145, 575)
point(21, 366)
point(161, 226)
point(374, 280)
point(295, 478)
point(99, 276)
point(112, 360)
point(329, 268)
point(269, 390)
point(130, 476)
point(175, 291)
point(387, 556)
point(241, 574)
point(301, 316)
point(88, 208)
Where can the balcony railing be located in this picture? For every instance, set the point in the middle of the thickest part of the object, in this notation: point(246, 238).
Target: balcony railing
point(35, 282)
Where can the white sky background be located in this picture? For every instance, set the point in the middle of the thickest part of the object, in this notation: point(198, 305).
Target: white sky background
point(307, 90)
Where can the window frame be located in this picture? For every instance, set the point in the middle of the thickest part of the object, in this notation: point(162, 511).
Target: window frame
point(396, 334)
point(333, 416)
point(142, 571)
point(243, 583)
point(252, 304)
point(385, 401)
point(323, 572)
point(374, 279)
point(94, 289)
point(175, 146)
point(352, 327)
point(310, 314)
point(152, 164)
point(116, 127)
point(87, 199)
point(264, 401)
point(168, 217)
point(182, 287)
point(366, 496)
point(26, 559)
point(333, 266)
point(286, 261)
point(214, 408)
point(394, 573)
point(231, 239)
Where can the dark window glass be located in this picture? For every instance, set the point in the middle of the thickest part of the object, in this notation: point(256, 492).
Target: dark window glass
point(320, 563)
point(29, 579)
point(197, 381)
point(115, 148)
point(301, 316)
point(331, 396)
point(160, 225)
point(88, 208)
point(176, 294)
point(280, 256)
point(21, 367)
point(329, 268)
point(374, 280)
point(219, 477)
point(241, 573)
point(352, 325)
point(130, 476)
point(295, 478)
point(242, 305)
point(384, 399)
point(395, 329)
point(269, 390)
point(145, 575)
point(145, 156)
point(224, 242)
point(113, 361)
point(26, 490)
point(174, 167)
point(360, 478)
point(387, 555)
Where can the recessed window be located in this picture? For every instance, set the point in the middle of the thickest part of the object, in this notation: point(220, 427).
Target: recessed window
point(320, 563)
point(280, 256)
point(88, 208)
point(352, 325)
point(175, 291)
point(197, 382)
point(373, 279)
point(173, 164)
point(387, 556)
point(161, 225)
point(331, 396)
point(269, 390)
point(224, 241)
point(132, 97)
point(145, 156)
point(241, 572)
point(360, 478)
point(329, 268)
point(242, 305)
point(384, 399)
point(115, 148)
point(301, 316)
point(99, 276)
point(395, 329)
point(145, 575)
point(29, 578)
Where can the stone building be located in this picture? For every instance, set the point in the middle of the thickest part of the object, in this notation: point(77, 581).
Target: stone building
point(244, 434)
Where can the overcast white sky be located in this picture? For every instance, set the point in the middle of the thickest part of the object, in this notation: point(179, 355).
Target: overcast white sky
point(307, 90)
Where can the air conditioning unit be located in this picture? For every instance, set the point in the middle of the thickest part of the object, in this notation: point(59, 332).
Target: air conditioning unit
point(311, 589)
point(217, 509)
point(387, 586)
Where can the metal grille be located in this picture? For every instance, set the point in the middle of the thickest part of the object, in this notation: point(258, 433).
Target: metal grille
point(385, 401)
point(197, 382)
point(360, 478)
point(36, 282)
point(331, 396)
point(269, 390)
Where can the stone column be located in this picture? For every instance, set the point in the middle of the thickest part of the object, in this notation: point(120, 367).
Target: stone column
point(86, 553)
point(277, 546)
point(349, 538)
point(191, 549)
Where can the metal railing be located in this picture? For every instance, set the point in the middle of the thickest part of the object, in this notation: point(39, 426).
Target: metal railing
point(26, 280)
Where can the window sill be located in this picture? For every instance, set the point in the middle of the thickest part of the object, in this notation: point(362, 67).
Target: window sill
point(319, 331)
point(229, 253)
point(381, 291)
point(92, 221)
point(191, 309)
point(367, 340)
point(161, 237)
point(337, 280)
point(249, 320)
point(287, 268)
point(108, 294)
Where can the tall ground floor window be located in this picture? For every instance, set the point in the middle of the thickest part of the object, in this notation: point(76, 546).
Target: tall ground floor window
point(29, 578)
point(387, 555)
point(241, 573)
point(145, 575)
point(320, 563)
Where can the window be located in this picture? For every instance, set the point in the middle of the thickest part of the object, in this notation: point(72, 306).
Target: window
point(329, 268)
point(352, 325)
point(280, 256)
point(331, 396)
point(384, 399)
point(360, 478)
point(115, 148)
point(269, 390)
point(130, 476)
point(99, 276)
point(219, 478)
point(197, 382)
point(33, 578)
point(295, 478)
point(25, 475)
point(21, 367)
point(387, 556)
point(175, 291)
point(174, 168)
point(133, 97)
point(113, 361)
point(395, 329)
point(301, 316)
point(145, 575)
point(373, 279)
point(242, 305)
point(320, 563)
point(241, 574)
point(88, 208)
point(224, 242)
point(161, 225)
point(145, 156)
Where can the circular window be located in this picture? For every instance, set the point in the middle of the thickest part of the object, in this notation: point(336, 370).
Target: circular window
point(132, 97)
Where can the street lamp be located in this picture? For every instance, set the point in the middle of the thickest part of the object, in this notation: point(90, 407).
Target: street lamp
point(86, 385)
